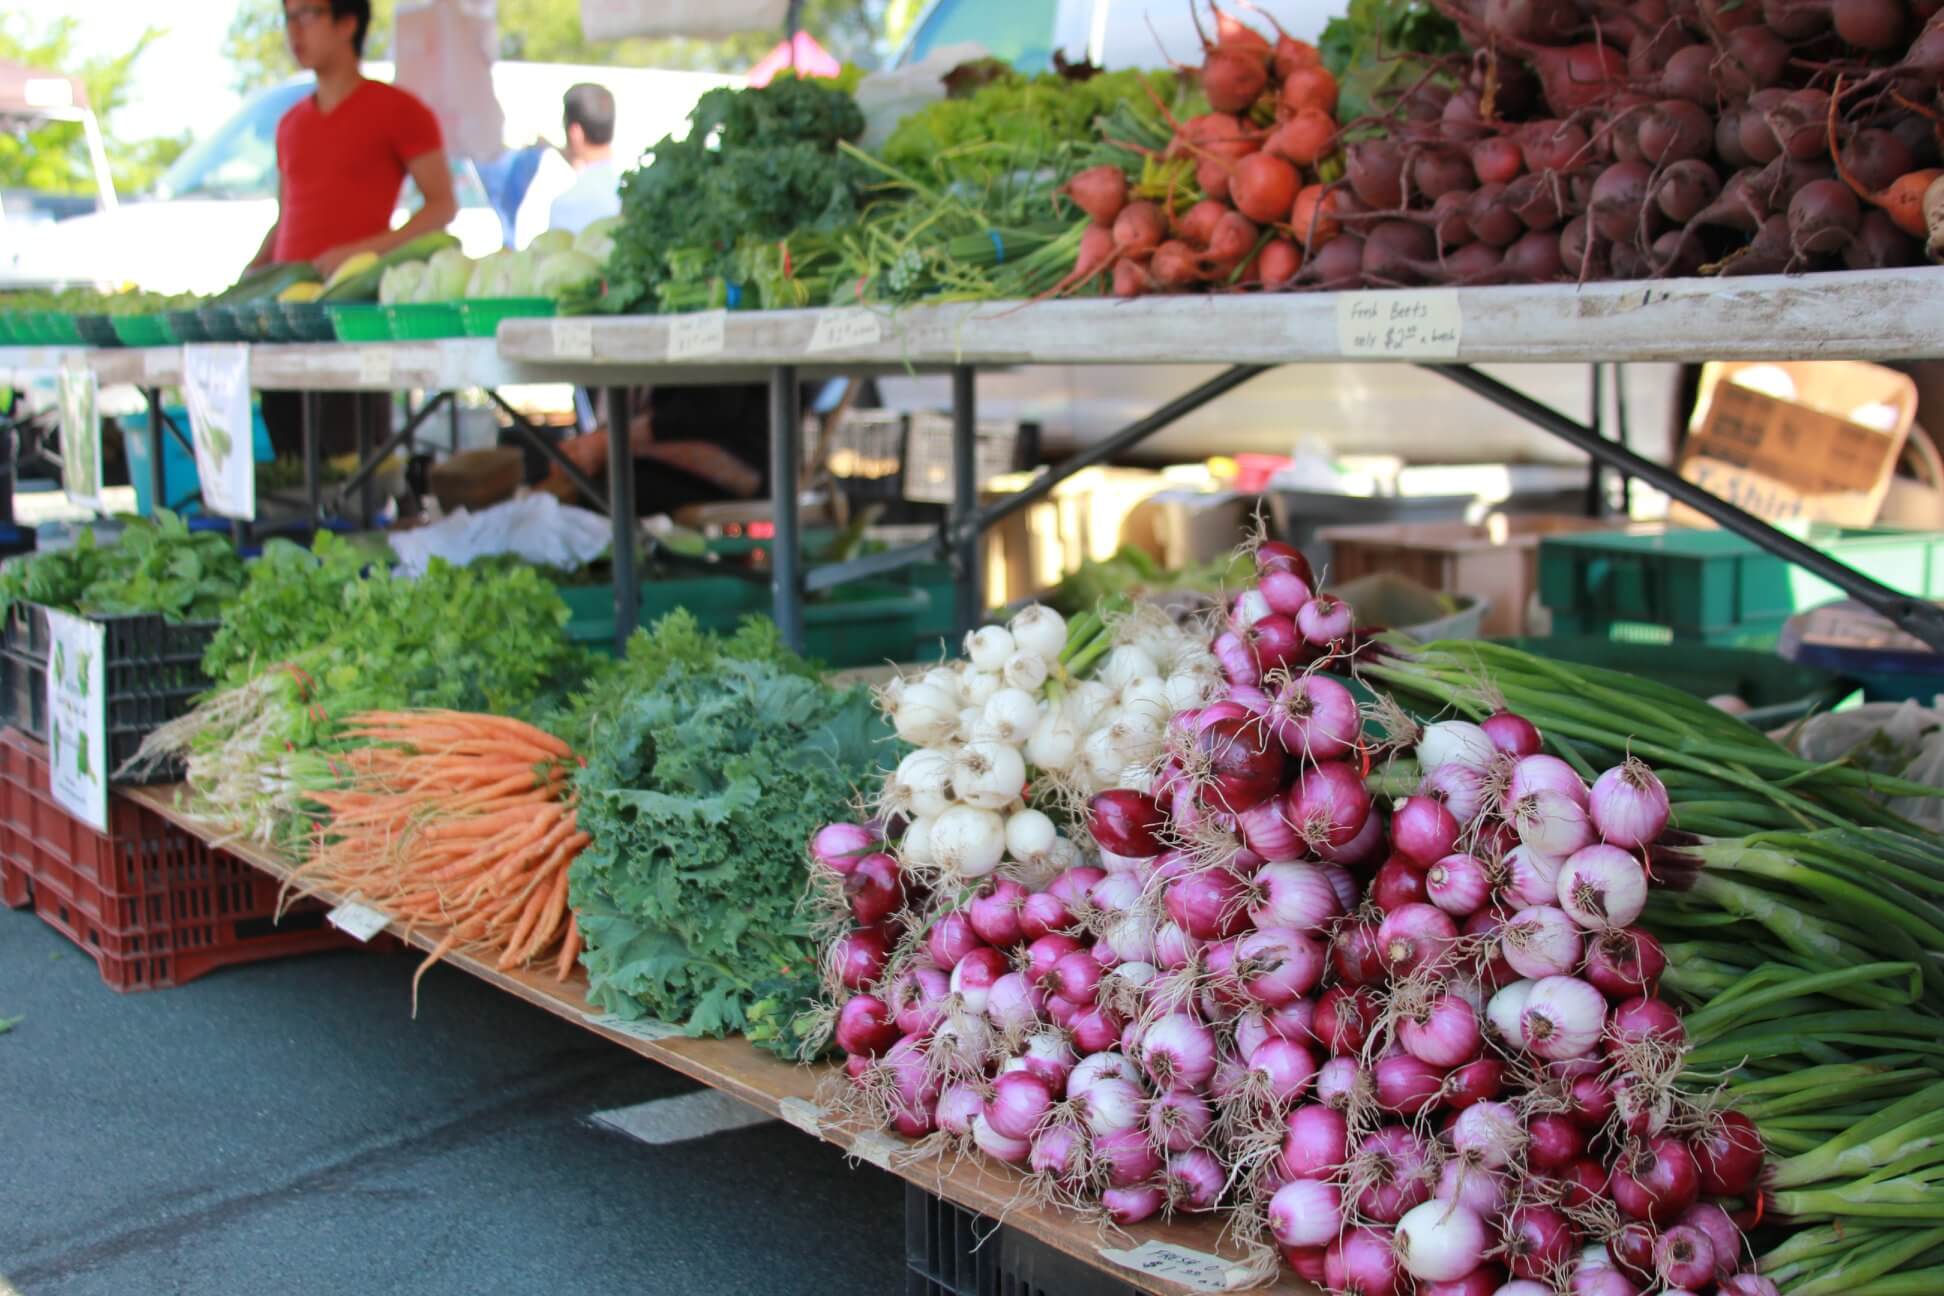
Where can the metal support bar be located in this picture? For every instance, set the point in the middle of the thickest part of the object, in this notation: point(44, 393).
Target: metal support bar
point(786, 554)
point(551, 452)
point(158, 441)
point(968, 584)
point(831, 575)
point(360, 406)
point(1623, 435)
point(181, 437)
point(1924, 620)
point(1596, 503)
point(313, 460)
point(621, 512)
point(1101, 451)
point(391, 443)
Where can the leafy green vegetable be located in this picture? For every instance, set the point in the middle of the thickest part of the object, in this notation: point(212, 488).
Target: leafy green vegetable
point(758, 163)
point(156, 566)
point(1131, 572)
point(1363, 48)
point(700, 797)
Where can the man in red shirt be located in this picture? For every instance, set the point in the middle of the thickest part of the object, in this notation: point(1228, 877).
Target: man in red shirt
point(344, 152)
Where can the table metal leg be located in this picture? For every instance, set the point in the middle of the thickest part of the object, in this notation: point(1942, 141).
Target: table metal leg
point(1596, 502)
point(313, 460)
point(621, 512)
point(968, 581)
point(158, 445)
point(786, 554)
point(1922, 619)
point(367, 491)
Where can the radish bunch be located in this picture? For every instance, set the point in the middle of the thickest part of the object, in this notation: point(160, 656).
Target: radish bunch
point(1406, 1034)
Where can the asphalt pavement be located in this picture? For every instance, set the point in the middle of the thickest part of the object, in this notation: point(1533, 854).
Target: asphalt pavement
point(287, 1127)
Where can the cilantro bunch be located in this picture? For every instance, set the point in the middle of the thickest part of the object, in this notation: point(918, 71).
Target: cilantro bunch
point(700, 796)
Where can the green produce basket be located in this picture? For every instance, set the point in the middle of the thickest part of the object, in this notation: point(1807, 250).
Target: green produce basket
point(482, 315)
point(271, 325)
point(185, 326)
point(141, 330)
point(98, 329)
point(221, 324)
point(62, 330)
point(309, 321)
point(421, 321)
point(8, 335)
point(859, 624)
point(1713, 587)
point(1779, 691)
point(29, 329)
point(359, 322)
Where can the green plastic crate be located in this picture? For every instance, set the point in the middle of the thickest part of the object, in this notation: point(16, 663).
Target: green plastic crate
point(482, 315)
point(186, 325)
point(1779, 691)
point(221, 324)
point(716, 603)
point(418, 321)
point(360, 322)
point(934, 578)
point(97, 329)
point(855, 625)
point(63, 329)
point(140, 330)
point(1713, 587)
point(8, 337)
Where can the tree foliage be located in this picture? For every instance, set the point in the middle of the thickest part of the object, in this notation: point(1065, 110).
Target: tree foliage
point(54, 157)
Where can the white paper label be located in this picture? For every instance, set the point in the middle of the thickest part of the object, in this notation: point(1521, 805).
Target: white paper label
point(803, 1114)
point(573, 339)
point(876, 1147)
point(359, 922)
point(375, 367)
point(1196, 1269)
point(80, 437)
point(158, 362)
point(642, 1029)
point(701, 334)
point(77, 718)
point(845, 330)
point(1418, 325)
point(216, 387)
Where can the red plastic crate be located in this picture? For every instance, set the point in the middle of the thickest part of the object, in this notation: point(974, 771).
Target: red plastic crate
point(153, 905)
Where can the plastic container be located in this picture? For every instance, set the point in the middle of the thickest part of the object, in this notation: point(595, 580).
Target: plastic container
point(481, 316)
point(1713, 587)
point(1402, 604)
point(271, 322)
point(860, 624)
point(1300, 516)
point(62, 329)
point(221, 324)
point(928, 476)
point(1498, 559)
point(186, 325)
point(140, 329)
point(1778, 691)
point(359, 322)
point(419, 321)
point(98, 329)
point(152, 905)
point(8, 336)
point(950, 1251)
point(308, 321)
point(153, 674)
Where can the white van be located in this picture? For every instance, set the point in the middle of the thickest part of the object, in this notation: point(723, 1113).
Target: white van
point(207, 213)
point(1353, 409)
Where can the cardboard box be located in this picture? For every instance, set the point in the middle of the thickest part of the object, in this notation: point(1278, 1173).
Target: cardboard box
point(1800, 456)
point(1033, 549)
point(1185, 528)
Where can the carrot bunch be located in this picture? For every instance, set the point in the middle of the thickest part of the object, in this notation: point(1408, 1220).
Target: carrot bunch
point(456, 820)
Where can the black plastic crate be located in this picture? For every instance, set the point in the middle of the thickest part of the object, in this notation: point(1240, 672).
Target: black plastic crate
point(954, 1252)
point(153, 670)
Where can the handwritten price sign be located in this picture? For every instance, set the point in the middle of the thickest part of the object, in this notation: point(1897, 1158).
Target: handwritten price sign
point(1400, 325)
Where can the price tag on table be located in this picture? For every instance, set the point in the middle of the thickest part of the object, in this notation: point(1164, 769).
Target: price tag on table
point(77, 717)
point(359, 922)
point(876, 1147)
point(216, 387)
point(691, 337)
point(80, 437)
point(573, 339)
point(845, 329)
point(1196, 1269)
point(1415, 325)
point(644, 1028)
point(803, 1114)
point(375, 367)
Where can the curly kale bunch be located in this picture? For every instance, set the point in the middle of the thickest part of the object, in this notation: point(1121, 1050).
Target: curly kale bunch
point(759, 163)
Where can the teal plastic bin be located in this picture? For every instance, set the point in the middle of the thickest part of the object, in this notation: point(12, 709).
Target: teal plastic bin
point(854, 625)
point(180, 480)
point(1713, 587)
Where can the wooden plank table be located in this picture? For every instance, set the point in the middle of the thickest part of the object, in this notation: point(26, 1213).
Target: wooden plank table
point(789, 1092)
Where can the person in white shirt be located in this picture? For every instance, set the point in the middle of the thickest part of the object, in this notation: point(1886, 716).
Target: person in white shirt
point(573, 191)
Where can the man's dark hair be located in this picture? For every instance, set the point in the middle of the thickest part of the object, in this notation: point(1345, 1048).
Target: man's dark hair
point(591, 108)
point(359, 9)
